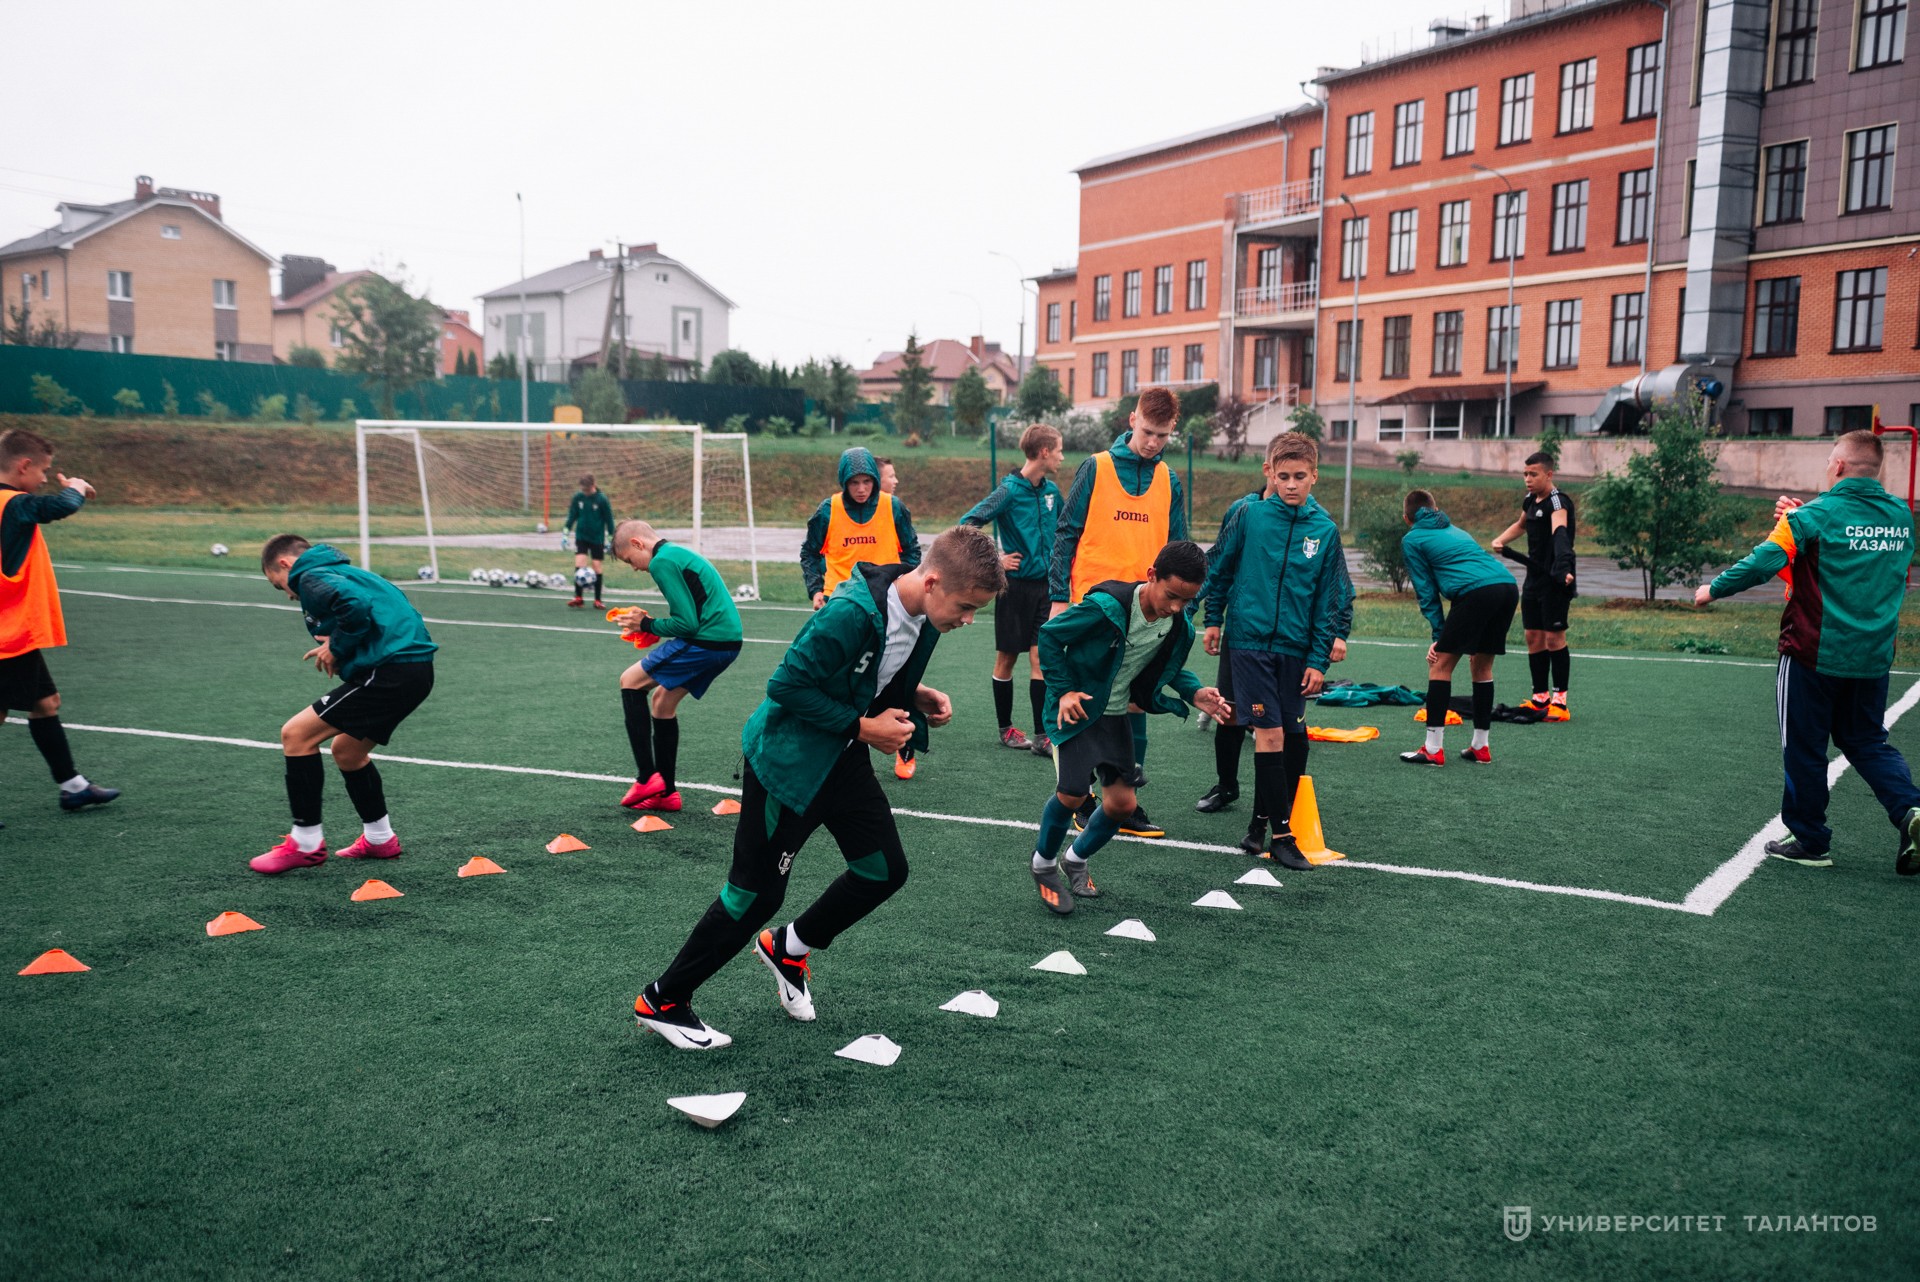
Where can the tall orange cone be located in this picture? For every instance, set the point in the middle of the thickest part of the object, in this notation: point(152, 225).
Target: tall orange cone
point(374, 888)
point(651, 823)
point(232, 923)
point(1306, 825)
point(565, 843)
point(727, 807)
point(55, 961)
point(479, 866)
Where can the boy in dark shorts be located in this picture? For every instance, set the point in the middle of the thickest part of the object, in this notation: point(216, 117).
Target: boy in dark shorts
point(1279, 576)
point(1443, 561)
point(1548, 519)
point(700, 638)
point(851, 681)
point(372, 638)
point(31, 622)
point(590, 521)
point(1024, 509)
point(1112, 653)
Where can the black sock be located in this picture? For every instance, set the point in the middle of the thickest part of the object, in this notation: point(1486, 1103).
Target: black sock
point(599, 580)
point(666, 747)
point(1269, 785)
point(1228, 742)
point(51, 738)
point(1539, 662)
point(639, 732)
point(1037, 696)
point(1562, 660)
point(1002, 703)
point(364, 790)
point(1482, 705)
point(1293, 754)
point(305, 782)
point(1439, 695)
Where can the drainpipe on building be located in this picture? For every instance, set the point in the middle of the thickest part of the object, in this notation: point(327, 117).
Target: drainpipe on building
point(1353, 371)
point(1653, 187)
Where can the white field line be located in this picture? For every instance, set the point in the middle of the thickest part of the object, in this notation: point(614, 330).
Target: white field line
point(1727, 878)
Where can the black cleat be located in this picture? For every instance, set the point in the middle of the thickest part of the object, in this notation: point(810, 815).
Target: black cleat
point(1255, 842)
point(1907, 862)
point(1218, 798)
point(676, 1022)
point(1084, 815)
point(1138, 825)
point(1794, 853)
point(91, 795)
point(1286, 853)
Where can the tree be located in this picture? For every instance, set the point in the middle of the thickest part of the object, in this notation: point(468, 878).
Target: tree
point(53, 398)
point(20, 330)
point(972, 398)
point(912, 403)
point(597, 393)
point(735, 368)
point(811, 379)
point(1306, 420)
point(1664, 516)
point(389, 337)
point(300, 356)
point(1549, 442)
point(1040, 394)
point(504, 368)
point(654, 368)
point(1230, 427)
point(1383, 524)
point(843, 391)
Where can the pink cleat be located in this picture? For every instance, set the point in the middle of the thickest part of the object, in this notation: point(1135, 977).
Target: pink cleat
point(660, 801)
point(285, 857)
point(364, 849)
point(652, 786)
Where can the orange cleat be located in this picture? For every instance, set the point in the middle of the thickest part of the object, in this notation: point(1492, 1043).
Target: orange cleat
point(904, 765)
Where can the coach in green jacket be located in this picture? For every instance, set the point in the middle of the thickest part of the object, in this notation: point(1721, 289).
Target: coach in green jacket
point(1846, 554)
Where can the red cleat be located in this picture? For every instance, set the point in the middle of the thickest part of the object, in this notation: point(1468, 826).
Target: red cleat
point(1421, 757)
point(285, 857)
point(364, 849)
point(1477, 756)
point(652, 786)
point(659, 801)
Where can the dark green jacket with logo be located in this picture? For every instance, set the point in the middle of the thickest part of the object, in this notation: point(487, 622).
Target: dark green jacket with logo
point(1081, 649)
point(826, 683)
point(1279, 577)
point(1443, 560)
point(590, 517)
point(1025, 516)
point(1343, 594)
point(366, 620)
point(700, 609)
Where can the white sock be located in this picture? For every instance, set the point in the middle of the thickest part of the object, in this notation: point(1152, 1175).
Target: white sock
point(1480, 738)
point(1044, 865)
point(1075, 859)
point(1435, 738)
point(76, 784)
point(793, 945)
point(379, 830)
point(306, 840)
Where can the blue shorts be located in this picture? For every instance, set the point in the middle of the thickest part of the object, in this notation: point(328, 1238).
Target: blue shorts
point(679, 664)
point(1266, 691)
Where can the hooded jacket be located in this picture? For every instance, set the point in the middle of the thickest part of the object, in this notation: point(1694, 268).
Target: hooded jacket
point(1025, 516)
point(1278, 576)
point(1136, 477)
point(1443, 560)
point(1082, 647)
point(855, 461)
point(366, 620)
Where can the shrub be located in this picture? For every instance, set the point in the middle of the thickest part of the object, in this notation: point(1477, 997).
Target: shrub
point(301, 356)
point(913, 441)
point(169, 400)
point(735, 423)
point(600, 398)
point(1549, 442)
point(127, 401)
point(348, 411)
point(1306, 420)
point(1198, 429)
point(213, 409)
point(270, 409)
point(1664, 516)
point(864, 428)
point(1409, 461)
point(306, 409)
point(778, 425)
point(815, 424)
point(1383, 524)
point(53, 398)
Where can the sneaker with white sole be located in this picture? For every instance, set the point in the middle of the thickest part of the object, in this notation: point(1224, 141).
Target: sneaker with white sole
point(676, 1022)
point(1793, 851)
point(364, 849)
point(1907, 861)
point(790, 974)
point(1014, 737)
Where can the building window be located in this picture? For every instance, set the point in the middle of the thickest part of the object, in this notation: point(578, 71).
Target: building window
point(1516, 109)
point(1629, 328)
point(170, 231)
point(1870, 168)
point(1163, 290)
point(1503, 337)
point(1509, 225)
point(1194, 368)
point(1776, 316)
point(1409, 120)
point(1392, 429)
point(1783, 196)
point(1635, 218)
point(1569, 216)
point(1266, 363)
point(1073, 317)
point(1643, 81)
point(1102, 300)
point(1196, 284)
point(1796, 26)
point(1448, 327)
point(1559, 424)
point(686, 329)
point(1314, 170)
point(1099, 374)
point(121, 343)
point(1353, 248)
point(1463, 110)
point(1576, 96)
point(1686, 198)
point(226, 351)
point(1680, 325)
point(1770, 422)
point(1266, 274)
point(1129, 371)
point(1403, 236)
point(1396, 346)
point(120, 287)
point(1053, 322)
point(1071, 371)
point(1883, 33)
point(1162, 365)
point(1456, 229)
point(1360, 144)
point(1860, 308)
point(1338, 429)
point(1130, 294)
point(1343, 348)
point(46, 284)
point(224, 294)
point(1849, 418)
point(1306, 358)
point(337, 337)
point(1563, 334)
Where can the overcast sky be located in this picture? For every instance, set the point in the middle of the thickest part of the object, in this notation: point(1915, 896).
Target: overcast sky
point(840, 170)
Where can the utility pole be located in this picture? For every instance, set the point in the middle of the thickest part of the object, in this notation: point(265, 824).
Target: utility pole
point(526, 459)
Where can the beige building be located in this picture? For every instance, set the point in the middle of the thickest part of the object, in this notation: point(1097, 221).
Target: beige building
point(945, 359)
point(161, 274)
point(303, 314)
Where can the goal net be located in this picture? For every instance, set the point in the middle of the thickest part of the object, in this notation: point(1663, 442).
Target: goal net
point(488, 501)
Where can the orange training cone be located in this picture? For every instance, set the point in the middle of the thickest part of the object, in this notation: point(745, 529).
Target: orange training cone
point(727, 807)
point(565, 843)
point(651, 823)
point(374, 888)
point(479, 866)
point(232, 923)
point(1306, 825)
point(55, 961)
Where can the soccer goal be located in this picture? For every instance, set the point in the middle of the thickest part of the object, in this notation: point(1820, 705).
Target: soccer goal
point(462, 500)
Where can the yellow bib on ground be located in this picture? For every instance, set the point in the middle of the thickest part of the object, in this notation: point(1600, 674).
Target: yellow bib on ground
point(1334, 734)
point(849, 541)
point(1124, 532)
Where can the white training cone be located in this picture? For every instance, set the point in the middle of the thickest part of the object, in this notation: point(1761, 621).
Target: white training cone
point(1060, 963)
point(973, 1002)
point(1256, 877)
point(709, 1110)
point(871, 1049)
point(1133, 928)
point(1216, 899)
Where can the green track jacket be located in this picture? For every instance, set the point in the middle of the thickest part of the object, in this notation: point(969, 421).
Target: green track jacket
point(1081, 649)
point(590, 517)
point(700, 609)
point(1443, 560)
point(1135, 474)
point(366, 619)
point(1279, 576)
point(1343, 595)
point(1025, 516)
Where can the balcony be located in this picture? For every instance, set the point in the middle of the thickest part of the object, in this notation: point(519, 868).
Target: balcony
point(1274, 207)
point(1285, 306)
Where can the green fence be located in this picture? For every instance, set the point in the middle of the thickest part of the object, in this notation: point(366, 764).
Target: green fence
point(712, 404)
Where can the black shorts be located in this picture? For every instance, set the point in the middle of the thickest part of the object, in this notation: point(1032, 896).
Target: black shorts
point(1104, 748)
point(1544, 604)
point(1479, 620)
point(593, 551)
point(1018, 614)
point(1267, 687)
point(1225, 685)
point(25, 681)
point(372, 705)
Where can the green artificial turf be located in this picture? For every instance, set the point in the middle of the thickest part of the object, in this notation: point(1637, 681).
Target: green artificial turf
point(1353, 1076)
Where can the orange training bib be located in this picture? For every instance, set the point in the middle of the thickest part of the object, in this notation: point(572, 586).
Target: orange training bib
point(1123, 532)
point(30, 617)
point(849, 542)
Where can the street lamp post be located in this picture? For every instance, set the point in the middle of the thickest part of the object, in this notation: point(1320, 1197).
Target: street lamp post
point(526, 457)
point(1353, 373)
point(1020, 356)
point(1508, 342)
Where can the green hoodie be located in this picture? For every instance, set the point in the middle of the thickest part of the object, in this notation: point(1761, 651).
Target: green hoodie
point(1848, 553)
point(366, 620)
point(855, 461)
point(1081, 649)
point(1136, 475)
point(700, 609)
point(1445, 561)
point(826, 683)
point(1343, 590)
point(1025, 515)
point(1279, 577)
point(590, 517)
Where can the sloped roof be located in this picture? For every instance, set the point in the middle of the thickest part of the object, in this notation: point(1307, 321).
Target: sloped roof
point(946, 359)
point(116, 212)
point(322, 288)
point(572, 276)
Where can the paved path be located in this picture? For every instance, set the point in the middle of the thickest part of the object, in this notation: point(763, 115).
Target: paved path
point(1599, 577)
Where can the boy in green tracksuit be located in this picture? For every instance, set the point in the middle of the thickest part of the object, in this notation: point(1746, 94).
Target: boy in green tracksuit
point(1113, 653)
point(1024, 509)
point(1278, 576)
point(1444, 561)
point(590, 521)
point(851, 680)
point(372, 638)
point(1846, 554)
point(700, 638)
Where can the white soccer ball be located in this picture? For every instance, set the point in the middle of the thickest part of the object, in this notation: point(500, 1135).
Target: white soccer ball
point(426, 574)
point(476, 575)
point(513, 578)
point(746, 592)
point(496, 578)
point(220, 549)
point(540, 527)
point(583, 577)
point(535, 579)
